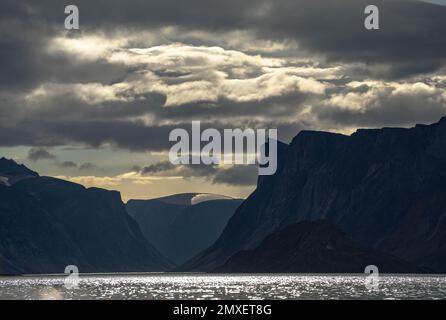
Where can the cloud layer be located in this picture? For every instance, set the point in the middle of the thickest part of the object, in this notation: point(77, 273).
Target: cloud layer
point(129, 77)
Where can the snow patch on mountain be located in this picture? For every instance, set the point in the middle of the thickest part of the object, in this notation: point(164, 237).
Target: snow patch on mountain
point(4, 181)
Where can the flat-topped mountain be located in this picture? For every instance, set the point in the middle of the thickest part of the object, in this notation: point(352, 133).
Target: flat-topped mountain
point(386, 188)
point(182, 225)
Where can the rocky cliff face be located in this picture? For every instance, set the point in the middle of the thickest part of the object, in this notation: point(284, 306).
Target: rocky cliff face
point(31, 241)
point(47, 224)
point(312, 247)
point(383, 187)
point(179, 229)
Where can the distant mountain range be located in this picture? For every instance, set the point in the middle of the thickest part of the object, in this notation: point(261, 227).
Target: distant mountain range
point(385, 188)
point(181, 226)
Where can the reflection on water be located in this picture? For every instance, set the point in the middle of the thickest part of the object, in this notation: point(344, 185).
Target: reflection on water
point(223, 286)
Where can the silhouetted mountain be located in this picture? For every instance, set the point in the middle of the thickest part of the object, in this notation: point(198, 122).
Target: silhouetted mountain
point(179, 229)
point(184, 199)
point(11, 172)
point(31, 240)
point(312, 247)
point(47, 224)
point(384, 187)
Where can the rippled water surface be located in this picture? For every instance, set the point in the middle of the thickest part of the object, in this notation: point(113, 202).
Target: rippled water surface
point(222, 286)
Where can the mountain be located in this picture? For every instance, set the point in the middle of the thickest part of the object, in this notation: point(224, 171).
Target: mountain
point(11, 172)
point(181, 226)
point(30, 240)
point(47, 224)
point(386, 188)
point(312, 247)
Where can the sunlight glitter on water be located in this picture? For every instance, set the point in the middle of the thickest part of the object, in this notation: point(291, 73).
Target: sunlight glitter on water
point(224, 286)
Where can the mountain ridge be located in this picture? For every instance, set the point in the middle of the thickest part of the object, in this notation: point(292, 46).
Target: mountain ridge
point(366, 184)
point(48, 223)
point(312, 247)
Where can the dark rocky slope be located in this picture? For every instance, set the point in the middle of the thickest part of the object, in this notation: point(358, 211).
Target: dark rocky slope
point(31, 241)
point(383, 187)
point(312, 247)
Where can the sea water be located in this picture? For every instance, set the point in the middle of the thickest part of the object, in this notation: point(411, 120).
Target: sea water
point(224, 286)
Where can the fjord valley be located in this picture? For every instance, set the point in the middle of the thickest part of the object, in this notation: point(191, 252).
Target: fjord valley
point(337, 203)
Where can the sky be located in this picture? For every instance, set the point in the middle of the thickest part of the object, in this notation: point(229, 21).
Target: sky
point(96, 105)
point(439, 2)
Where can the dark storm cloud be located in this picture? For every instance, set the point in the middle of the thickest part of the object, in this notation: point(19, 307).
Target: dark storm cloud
point(67, 120)
point(36, 154)
point(157, 167)
point(237, 175)
point(277, 106)
point(411, 39)
point(25, 62)
point(68, 107)
point(129, 135)
point(87, 166)
point(241, 175)
point(67, 165)
point(19, 56)
point(187, 171)
point(152, 13)
point(334, 28)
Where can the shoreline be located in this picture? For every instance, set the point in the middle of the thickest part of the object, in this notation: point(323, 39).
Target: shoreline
point(102, 274)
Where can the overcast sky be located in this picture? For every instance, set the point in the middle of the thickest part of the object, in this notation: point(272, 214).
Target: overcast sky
point(96, 105)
